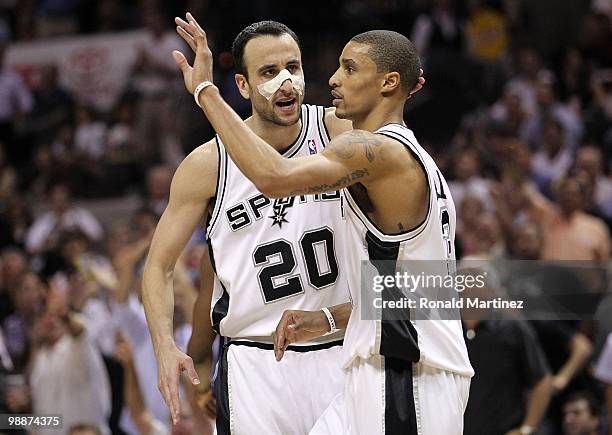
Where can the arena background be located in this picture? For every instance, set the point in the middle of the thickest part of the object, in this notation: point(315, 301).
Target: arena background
point(94, 119)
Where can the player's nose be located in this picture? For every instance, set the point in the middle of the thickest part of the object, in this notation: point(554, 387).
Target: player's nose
point(334, 81)
point(287, 87)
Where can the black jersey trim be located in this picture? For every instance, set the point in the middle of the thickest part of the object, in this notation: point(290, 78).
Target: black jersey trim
point(297, 143)
point(222, 393)
point(221, 178)
point(322, 129)
point(268, 346)
point(221, 307)
point(400, 408)
point(369, 223)
point(372, 227)
point(325, 127)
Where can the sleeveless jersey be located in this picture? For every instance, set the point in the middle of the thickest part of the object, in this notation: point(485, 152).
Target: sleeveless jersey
point(271, 255)
point(438, 343)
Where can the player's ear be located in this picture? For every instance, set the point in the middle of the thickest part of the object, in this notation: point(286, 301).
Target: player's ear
point(391, 82)
point(243, 86)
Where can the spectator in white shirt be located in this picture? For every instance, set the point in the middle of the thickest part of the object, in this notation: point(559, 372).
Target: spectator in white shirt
point(68, 375)
point(554, 158)
point(89, 136)
point(63, 216)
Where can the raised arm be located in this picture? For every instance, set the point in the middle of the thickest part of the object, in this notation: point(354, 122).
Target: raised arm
point(192, 187)
point(351, 157)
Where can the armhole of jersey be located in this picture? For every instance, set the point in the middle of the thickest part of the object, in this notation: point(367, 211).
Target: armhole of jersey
point(413, 232)
point(221, 185)
point(323, 132)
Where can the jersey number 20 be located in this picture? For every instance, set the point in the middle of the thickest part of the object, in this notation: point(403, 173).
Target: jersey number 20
point(276, 278)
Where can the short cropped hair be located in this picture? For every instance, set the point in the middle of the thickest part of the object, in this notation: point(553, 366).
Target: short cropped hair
point(592, 403)
point(252, 31)
point(393, 52)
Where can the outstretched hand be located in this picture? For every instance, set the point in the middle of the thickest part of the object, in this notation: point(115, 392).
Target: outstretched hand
point(195, 37)
point(295, 326)
point(171, 363)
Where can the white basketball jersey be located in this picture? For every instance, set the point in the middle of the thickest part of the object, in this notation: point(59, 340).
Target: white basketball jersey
point(438, 343)
point(272, 255)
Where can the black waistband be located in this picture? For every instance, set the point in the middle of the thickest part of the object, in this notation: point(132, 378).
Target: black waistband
point(268, 346)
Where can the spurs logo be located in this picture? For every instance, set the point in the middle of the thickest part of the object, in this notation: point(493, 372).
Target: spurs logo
point(279, 208)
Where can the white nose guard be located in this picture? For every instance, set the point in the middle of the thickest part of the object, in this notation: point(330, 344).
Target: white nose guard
point(269, 88)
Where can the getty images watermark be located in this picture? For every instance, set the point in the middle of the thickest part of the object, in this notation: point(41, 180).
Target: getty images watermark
point(441, 290)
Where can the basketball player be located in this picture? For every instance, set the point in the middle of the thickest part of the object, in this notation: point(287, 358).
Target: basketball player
point(268, 255)
point(404, 377)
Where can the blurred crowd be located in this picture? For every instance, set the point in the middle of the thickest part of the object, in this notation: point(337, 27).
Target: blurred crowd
point(516, 110)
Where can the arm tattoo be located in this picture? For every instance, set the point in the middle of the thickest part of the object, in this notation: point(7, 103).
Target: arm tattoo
point(347, 148)
point(347, 180)
point(401, 227)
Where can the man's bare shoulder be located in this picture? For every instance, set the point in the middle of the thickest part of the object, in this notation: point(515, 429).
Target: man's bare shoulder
point(336, 126)
point(198, 172)
point(376, 148)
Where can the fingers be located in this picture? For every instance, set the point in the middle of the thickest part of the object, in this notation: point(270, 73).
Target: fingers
point(198, 33)
point(279, 342)
point(169, 390)
point(199, 28)
point(191, 371)
point(186, 37)
point(181, 61)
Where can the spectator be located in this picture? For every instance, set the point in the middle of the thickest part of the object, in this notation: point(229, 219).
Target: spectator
point(89, 136)
point(53, 106)
point(8, 178)
point(13, 264)
point(128, 312)
point(569, 233)
point(581, 415)
point(154, 79)
point(487, 42)
point(509, 363)
point(524, 83)
point(158, 188)
point(548, 106)
point(589, 159)
point(68, 376)
point(145, 421)
point(62, 216)
point(468, 181)
point(27, 299)
point(14, 223)
point(554, 158)
point(470, 211)
point(15, 102)
point(603, 373)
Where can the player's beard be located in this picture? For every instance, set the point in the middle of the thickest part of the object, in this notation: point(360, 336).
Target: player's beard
point(266, 113)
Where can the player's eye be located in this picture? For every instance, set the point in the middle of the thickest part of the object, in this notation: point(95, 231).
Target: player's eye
point(350, 69)
point(269, 73)
point(292, 68)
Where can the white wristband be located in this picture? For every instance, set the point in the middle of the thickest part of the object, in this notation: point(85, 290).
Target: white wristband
point(199, 88)
point(330, 319)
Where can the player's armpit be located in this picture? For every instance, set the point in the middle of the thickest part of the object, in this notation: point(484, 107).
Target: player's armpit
point(353, 157)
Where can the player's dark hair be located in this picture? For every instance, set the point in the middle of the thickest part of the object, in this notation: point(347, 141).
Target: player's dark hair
point(393, 52)
point(254, 30)
point(592, 402)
